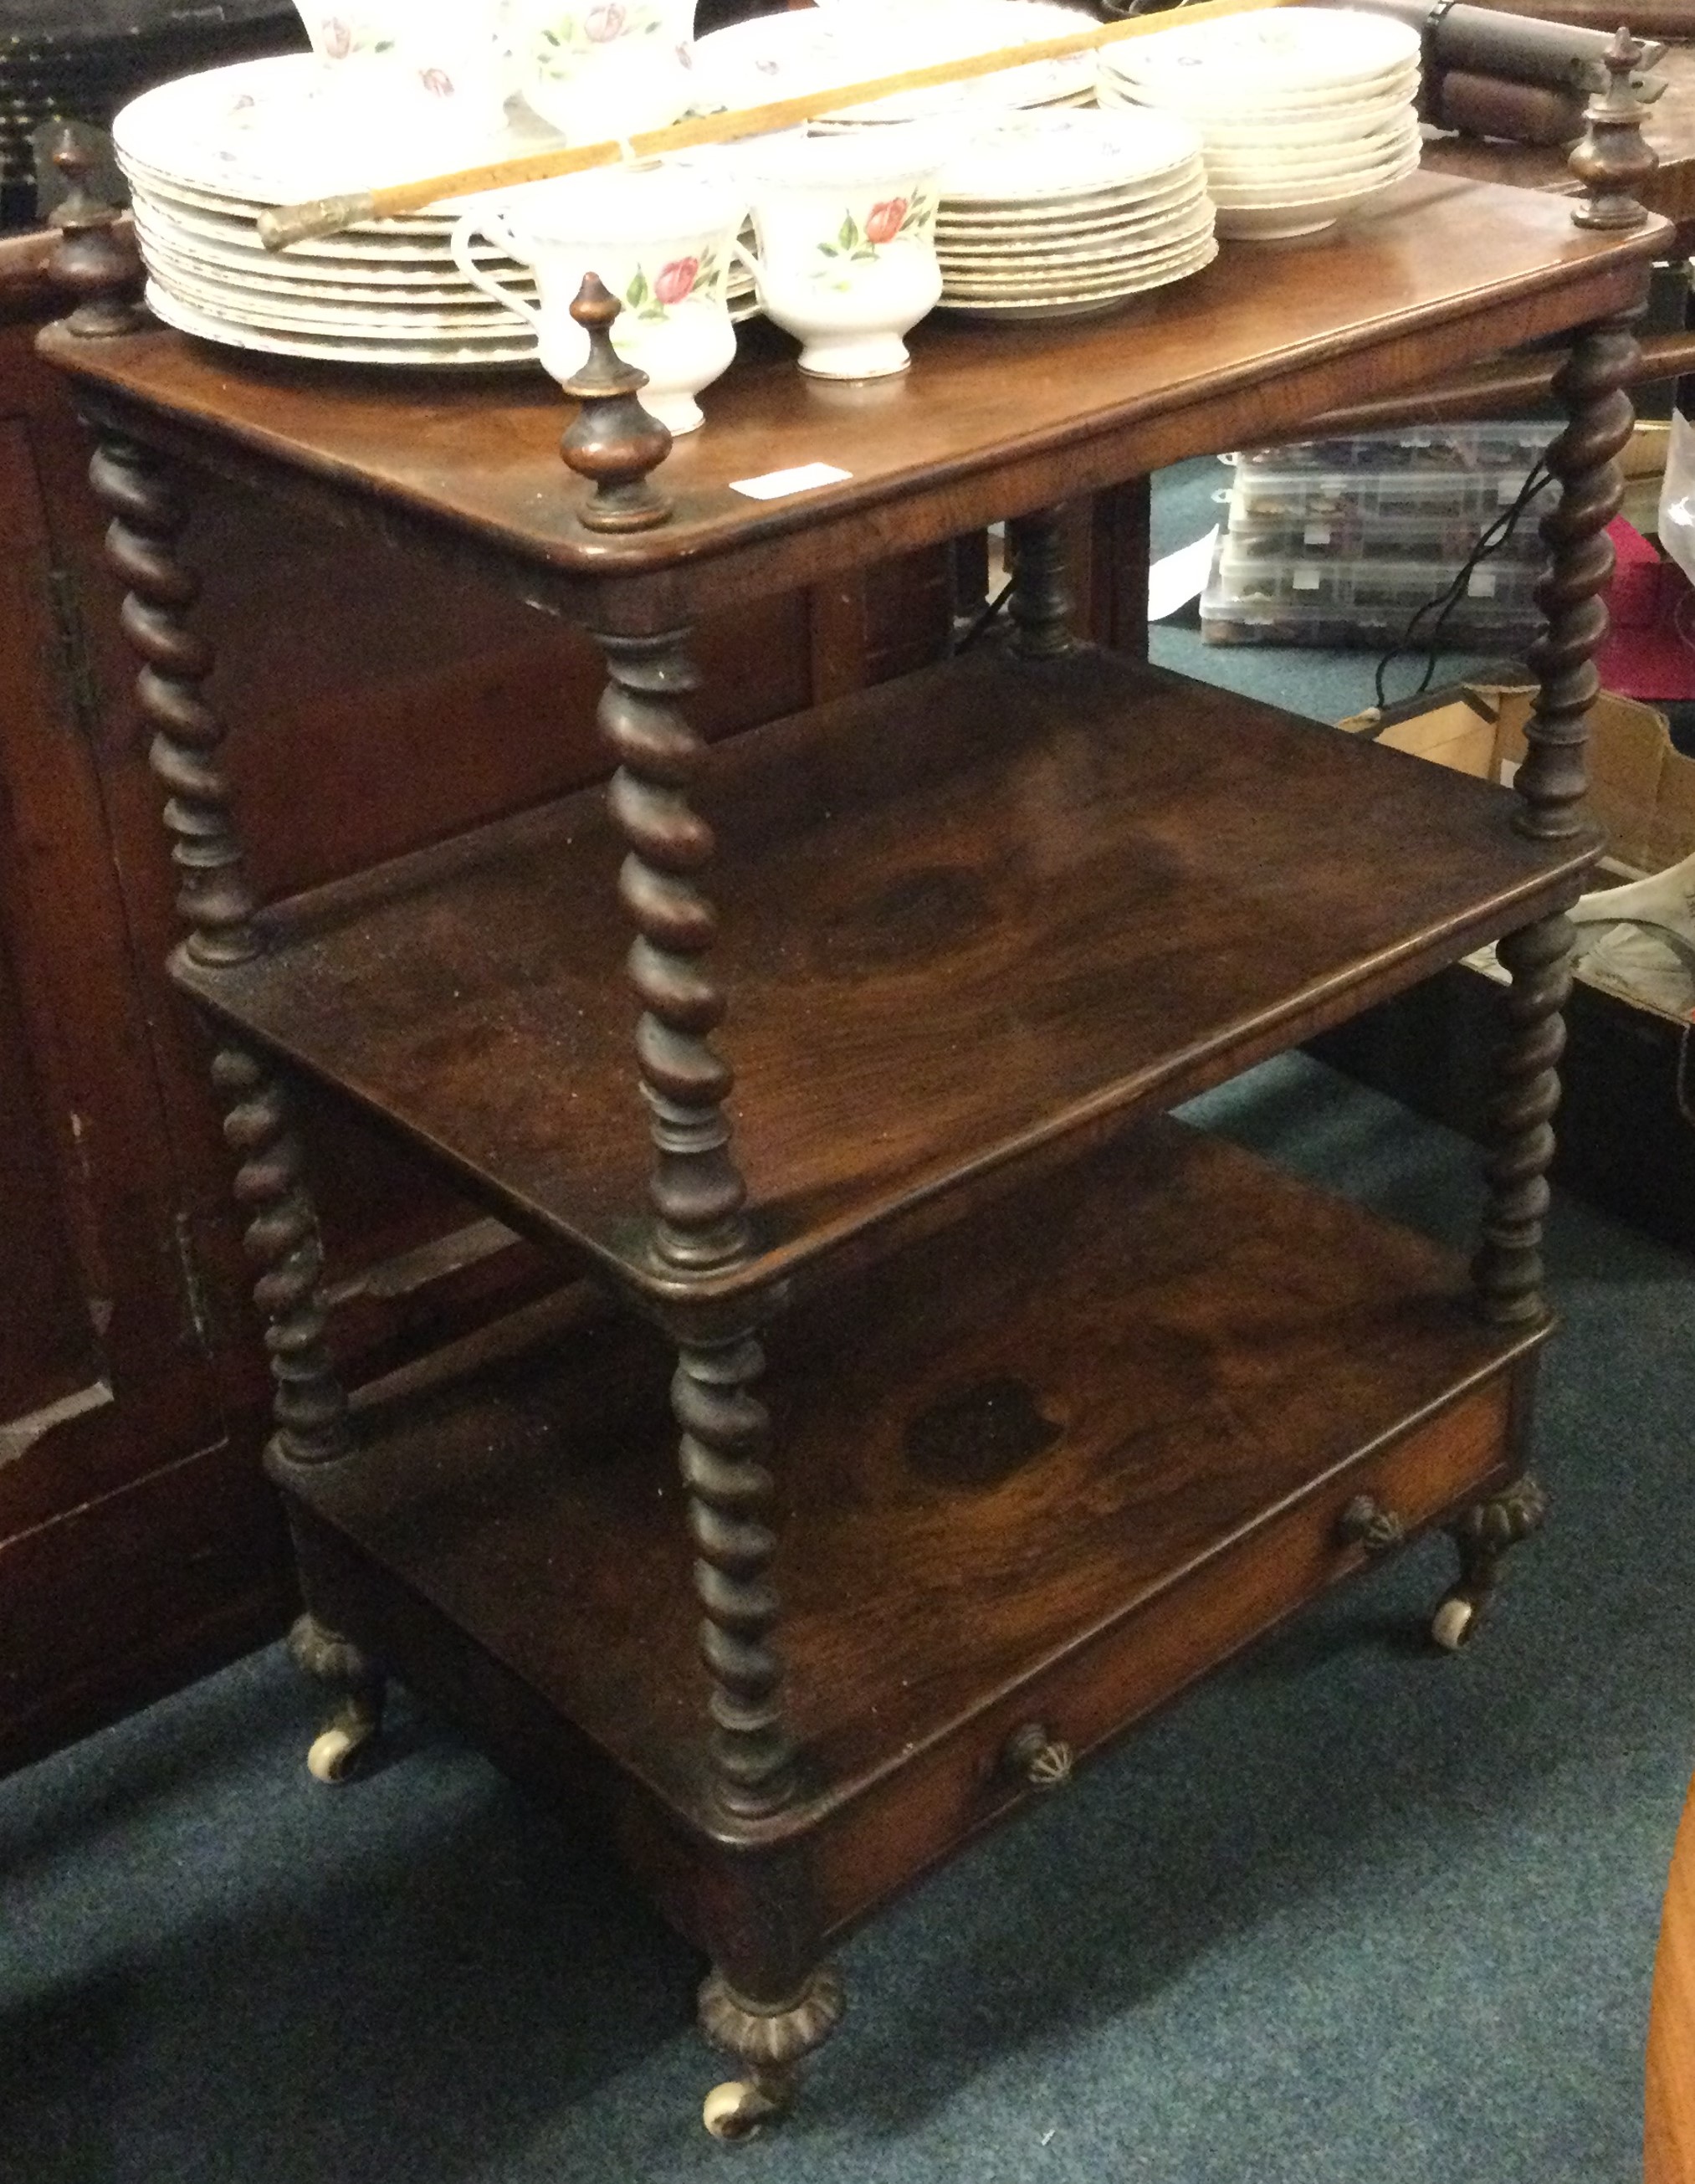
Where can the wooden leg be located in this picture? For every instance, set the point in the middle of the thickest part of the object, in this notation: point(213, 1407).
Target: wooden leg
point(1041, 604)
point(757, 2005)
point(149, 510)
point(767, 2002)
point(1120, 521)
point(1551, 783)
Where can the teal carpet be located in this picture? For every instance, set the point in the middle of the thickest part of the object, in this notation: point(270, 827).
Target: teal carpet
point(1352, 1913)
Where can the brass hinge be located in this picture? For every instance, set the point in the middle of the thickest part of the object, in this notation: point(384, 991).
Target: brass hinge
point(75, 661)
point(190, 1274)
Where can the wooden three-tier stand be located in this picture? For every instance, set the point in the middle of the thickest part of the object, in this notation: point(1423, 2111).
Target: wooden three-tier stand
point(1006, 1404)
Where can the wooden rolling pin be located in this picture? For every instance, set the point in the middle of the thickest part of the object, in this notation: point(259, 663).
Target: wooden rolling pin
point(1490, 105)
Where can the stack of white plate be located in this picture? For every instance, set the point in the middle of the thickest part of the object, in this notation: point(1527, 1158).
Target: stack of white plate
point(809, 49)
point(1061, 214)
point(1303, 112)
point(204, 155)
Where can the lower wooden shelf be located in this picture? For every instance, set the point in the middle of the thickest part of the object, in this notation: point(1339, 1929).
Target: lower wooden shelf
point(1052, 1462)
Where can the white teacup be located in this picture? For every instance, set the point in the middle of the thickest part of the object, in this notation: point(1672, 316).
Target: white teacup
point(405, 67)
point(660, 237)
point(846, 225)
point(597, 69)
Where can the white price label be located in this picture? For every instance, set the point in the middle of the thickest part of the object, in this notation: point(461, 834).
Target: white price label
point(776, 485)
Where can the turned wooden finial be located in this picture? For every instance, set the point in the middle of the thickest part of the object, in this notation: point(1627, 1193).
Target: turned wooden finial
point(612, 440)
point(1611, 159)
point(96, 260)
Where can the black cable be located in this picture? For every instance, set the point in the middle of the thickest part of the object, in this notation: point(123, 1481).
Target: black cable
point(985, 617)
point(1495, 536)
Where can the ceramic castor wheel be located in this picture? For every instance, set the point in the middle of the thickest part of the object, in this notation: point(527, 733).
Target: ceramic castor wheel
point(738, 2109)
point(1454, 1622)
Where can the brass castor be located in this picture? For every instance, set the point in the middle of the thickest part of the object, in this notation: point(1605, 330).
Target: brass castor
point(740, 2108)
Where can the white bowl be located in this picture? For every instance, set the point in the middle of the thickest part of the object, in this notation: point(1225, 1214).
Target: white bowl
point(1274, 52)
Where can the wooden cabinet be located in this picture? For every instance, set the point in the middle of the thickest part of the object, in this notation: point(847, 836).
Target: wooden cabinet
point(381, 705)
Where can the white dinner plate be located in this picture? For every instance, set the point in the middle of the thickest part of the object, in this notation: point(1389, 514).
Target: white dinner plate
point(435, 356)
point(1072, 152)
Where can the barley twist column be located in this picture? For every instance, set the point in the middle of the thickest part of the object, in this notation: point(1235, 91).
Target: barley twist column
point(309, 1403)
point(1041, 603)
point(149, 510)
point(725, 1432)
point(1590, 386)
point(1509, 1268)
point(696, 1191)
point(1551, 783)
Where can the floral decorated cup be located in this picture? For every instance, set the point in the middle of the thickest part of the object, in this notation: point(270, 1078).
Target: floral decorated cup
point(846, 227)
point(661, 237)
point(409, 67)
point(597, 69)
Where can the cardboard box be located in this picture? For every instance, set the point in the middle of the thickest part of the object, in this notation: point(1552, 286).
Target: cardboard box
point(1642, 789)
point(1626, 1131)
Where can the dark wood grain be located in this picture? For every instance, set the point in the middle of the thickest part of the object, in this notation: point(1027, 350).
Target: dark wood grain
point(963, 914)
point(989, 424)
point(979, 1471)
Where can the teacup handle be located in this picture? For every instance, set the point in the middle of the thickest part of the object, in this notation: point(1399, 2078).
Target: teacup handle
point(739, 249)
point(493, 228)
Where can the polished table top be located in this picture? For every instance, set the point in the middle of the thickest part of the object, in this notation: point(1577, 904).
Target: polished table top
point(988, 422)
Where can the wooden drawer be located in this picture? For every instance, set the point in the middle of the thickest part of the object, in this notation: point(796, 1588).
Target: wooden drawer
point(917, 1816)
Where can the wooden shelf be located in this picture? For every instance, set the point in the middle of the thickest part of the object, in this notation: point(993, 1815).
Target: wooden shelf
point(983, 1476)
point(965, 914)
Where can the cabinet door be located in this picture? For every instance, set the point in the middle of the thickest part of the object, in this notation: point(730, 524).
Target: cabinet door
point(136, 1543)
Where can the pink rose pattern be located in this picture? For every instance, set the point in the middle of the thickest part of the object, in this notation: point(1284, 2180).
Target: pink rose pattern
point(337, 39)
point(885, 222)
point(675, 283)
point(672, 283)
point(604, 24)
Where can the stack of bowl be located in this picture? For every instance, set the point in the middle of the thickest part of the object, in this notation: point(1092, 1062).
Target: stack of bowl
point(1304, 113)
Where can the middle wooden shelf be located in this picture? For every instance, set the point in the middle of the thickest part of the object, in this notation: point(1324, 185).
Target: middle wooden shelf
point(964, 915)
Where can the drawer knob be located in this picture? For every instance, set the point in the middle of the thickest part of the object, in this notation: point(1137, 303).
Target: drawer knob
point(1365, 1522)
point(1042, 1761)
